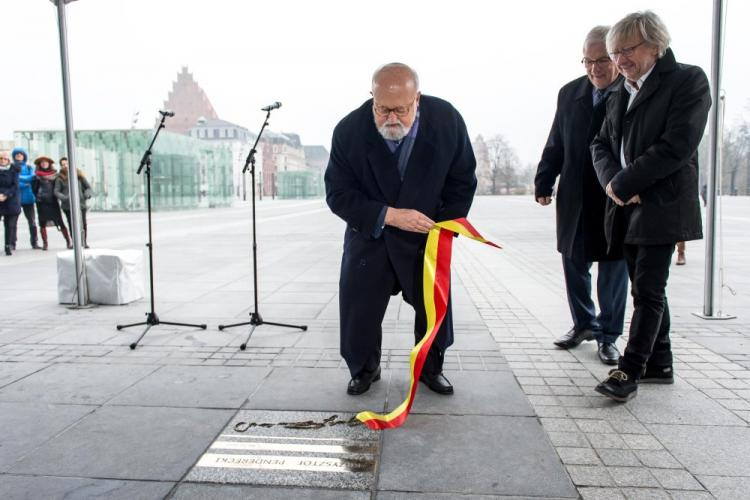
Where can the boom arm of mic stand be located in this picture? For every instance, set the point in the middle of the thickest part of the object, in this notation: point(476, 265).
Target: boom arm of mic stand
point(251, 155)
point(146, 160)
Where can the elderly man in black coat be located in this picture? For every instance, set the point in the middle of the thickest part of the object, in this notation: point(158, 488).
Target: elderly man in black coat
point(581, 105)
point(398, 163)
point(645, 157)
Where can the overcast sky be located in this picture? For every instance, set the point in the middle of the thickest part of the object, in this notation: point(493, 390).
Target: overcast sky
point(500, 63)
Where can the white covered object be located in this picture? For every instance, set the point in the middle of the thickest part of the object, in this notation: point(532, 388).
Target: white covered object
point(112, 276)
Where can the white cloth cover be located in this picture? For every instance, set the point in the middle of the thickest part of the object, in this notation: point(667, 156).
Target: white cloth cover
point(113, 276)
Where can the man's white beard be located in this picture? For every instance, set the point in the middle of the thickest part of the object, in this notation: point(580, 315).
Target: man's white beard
point(394, 132)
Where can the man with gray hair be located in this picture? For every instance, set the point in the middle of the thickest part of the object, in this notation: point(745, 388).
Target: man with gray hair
point(645, 157)
point(398, 163)
point(581, 105)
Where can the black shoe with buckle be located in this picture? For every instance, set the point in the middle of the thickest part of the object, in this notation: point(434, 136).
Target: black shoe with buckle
point(361, 383)
point(608, 353)
point(657, 375)
point(574, 337)
point(437, 383)
point(618, 386)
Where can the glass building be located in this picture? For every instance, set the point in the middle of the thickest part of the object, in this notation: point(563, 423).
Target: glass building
point(185, 172)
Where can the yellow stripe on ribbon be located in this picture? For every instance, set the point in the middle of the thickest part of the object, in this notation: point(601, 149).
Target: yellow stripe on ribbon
point(436, 287)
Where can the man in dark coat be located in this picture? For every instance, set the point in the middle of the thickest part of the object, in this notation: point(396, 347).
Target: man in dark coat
point(398, 163)
point(645, 157)
point(581, 105)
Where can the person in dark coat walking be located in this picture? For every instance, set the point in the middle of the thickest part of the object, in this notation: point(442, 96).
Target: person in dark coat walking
point(62, 193)
point(398, 163)
point(25, 171)
point(645, 156)
point(581, 105)
point(46, 203)
point(10, 200)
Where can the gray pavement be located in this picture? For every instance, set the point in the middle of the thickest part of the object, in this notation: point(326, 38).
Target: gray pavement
point(188, 415)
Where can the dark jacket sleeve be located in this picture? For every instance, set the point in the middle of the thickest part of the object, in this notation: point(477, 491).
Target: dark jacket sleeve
point(684, 129)
point(344, 193)
point(11, 191)
point(606, 164)
point(551, 163)
point(59, 191)
point(461, 181)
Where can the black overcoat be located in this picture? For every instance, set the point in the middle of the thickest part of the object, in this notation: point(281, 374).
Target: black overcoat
point(661, 131)
point(362, 177)
point(567, 154)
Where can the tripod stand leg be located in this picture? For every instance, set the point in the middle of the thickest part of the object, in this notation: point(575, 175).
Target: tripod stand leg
point(222, 327)
point(201, 326)
point(120, 327)
point(299, 327)
point(134, 344)
point(243, 346)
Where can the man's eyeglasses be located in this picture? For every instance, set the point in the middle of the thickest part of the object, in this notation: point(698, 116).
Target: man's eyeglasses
point(625, 51)
point(399, 111)
point(600, 62)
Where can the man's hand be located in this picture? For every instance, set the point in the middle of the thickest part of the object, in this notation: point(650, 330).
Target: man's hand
point(612, 195)
point(408, 220)
point(634, 199)
point(3, 197)
point(544, 200)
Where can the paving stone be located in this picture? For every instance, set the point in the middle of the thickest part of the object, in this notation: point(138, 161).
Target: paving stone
point(676, 479)
point(632, 476)
point(192, 491)
point(127, 442)
point(726, 488)
point(708, 450)
point(194, 387)
point(578, 456)
point(645, 494)
point(484, 393)
point(623, 458)
point(678, 405)
point(75, 384)
point(589, 493)
point(10, 372)
point(25, 426)
point(657, 459)
point(573, 439)
point(316, 389)
point(476, 457)
point(73, 488)
point(641, 442)
point(601, 441)
point(590, 475)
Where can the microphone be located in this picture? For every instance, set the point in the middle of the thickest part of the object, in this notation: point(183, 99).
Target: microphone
point(166, 112)
point(271, 107)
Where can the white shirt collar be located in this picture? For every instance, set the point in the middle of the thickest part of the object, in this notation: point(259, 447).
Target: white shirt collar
point(632, 90)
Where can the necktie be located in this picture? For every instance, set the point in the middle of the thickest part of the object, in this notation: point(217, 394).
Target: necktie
point(599, 96)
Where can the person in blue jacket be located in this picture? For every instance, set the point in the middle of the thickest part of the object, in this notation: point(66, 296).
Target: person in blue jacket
point(26, 194)
point(10, 205)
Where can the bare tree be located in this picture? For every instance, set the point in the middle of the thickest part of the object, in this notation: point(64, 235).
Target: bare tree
point(503, 166)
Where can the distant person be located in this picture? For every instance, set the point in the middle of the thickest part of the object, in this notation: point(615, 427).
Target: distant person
point(10, 200)
point(645, 156)
point(25, 181)
point(47, 205)
point(398, 163)
point(62, 193)
point(581, 105)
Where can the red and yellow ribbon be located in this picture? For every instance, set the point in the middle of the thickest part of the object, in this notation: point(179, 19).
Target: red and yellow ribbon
point(436, 284)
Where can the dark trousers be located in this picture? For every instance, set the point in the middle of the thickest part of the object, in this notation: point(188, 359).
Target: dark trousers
point(648, 342)
point(365, 288)
point(83, 220)
point(611, 292)
point(9, 226)
point(30, 214)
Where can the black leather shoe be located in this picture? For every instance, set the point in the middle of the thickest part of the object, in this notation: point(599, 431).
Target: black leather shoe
point(608, 353)
point(618, 386)
point(657, 375)
point(574, 337)
point(437, 383)
point(361, 383)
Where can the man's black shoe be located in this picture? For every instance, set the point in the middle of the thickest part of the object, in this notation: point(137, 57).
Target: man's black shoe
point(618, 386)
point(361, 383)
point(574, 337)
point(437, 383)
point(657, 375)
point(608, 353)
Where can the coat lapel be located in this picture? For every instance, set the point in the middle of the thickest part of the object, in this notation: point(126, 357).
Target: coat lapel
point(420, 161)
point(383, 165)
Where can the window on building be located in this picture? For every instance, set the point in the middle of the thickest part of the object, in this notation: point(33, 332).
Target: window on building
point(216, 133)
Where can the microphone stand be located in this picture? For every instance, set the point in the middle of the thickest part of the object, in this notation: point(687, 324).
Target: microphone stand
point(151, 318)
point(256, 319)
